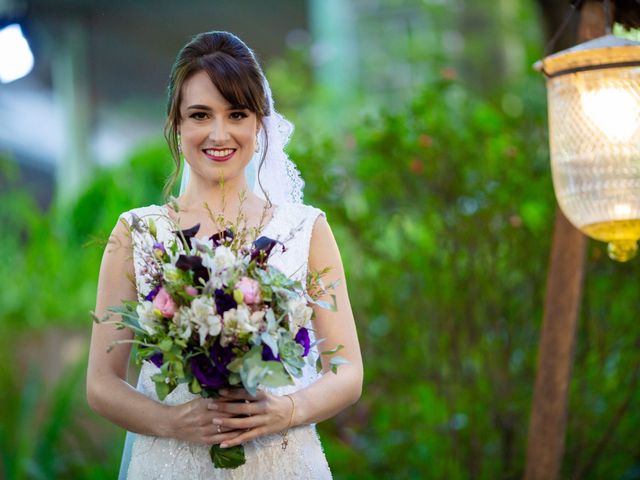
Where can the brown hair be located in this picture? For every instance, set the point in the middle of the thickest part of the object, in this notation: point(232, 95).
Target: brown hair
point(232, 68)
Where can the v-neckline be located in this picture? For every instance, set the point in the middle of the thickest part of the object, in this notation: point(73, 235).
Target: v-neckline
point(265, 227)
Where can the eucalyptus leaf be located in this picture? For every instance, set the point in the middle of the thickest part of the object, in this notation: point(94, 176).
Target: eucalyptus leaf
point(337, 361)
point(276, 375)
point(271, 342)
point(333, 350)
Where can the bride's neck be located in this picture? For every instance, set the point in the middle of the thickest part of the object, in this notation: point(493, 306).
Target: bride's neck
point(226, 198)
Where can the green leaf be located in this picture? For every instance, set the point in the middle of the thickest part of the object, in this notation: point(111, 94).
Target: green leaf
point(333, 350)
point(194, 386)
point(271, 342)
point(153, 229)
point(231, 457)
point(276, 375)
point(235, 365)
point(165, 345)
point(162, 390)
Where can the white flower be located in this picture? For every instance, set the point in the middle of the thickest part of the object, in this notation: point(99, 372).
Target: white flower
point(204, 245)
point(204, 317)
point(257, 319)
point(182, 320)
point(223, 259)
point(221, 264)
point(147, 317)
point(237, 321)
point(299, 314)
point(214, 283)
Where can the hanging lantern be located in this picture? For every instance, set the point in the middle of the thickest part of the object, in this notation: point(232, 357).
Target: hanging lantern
point(594, 135)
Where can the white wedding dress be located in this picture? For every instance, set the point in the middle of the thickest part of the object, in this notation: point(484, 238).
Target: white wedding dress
point(165, 458)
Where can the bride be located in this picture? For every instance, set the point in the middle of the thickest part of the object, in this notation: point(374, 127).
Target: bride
point(222, 121)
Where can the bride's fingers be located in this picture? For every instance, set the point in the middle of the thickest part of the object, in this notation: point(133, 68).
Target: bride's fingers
point(217, 429)
point(242, 423)
point(218, 411)
point(228, 394)
point(217, 438)
point(233, 408)
point(243, 437)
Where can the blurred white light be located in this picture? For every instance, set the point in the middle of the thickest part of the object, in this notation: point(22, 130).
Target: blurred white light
point(613, 110)
point(622, 211)
point(16, 59)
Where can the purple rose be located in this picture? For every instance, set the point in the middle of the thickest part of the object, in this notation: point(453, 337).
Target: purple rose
point(193, 263)
point(220, 238)
point(157, 359)
point(302, 337)
point(267, 354)
point(211, 370)
point(187, 235)
point(224, 301)
point(152, 294)
point(262, 249)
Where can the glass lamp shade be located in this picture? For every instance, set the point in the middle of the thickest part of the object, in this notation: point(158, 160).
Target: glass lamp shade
point(594, 134)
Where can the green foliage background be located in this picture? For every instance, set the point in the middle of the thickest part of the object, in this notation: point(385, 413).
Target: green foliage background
point(443, 213)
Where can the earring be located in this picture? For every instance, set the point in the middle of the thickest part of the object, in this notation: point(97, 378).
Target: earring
point(257, 144)
point(179, 145)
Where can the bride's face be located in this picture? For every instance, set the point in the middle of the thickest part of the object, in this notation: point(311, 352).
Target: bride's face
point(217, 138)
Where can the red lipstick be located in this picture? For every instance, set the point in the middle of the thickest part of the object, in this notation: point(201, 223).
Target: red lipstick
point(218, 157)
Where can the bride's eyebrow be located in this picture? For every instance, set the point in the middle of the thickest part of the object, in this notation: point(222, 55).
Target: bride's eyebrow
point(205, 107)
point(198, 107)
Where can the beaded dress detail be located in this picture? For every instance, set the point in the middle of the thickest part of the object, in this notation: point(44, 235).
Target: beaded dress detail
point(155, 458)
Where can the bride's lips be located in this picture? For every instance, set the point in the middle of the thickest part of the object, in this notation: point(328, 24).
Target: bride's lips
point(229, 152)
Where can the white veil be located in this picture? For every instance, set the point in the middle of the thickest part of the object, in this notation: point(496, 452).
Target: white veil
point(279, 179)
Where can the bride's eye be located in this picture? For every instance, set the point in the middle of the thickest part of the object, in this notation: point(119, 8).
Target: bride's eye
point(238, 115)
point(198, 115)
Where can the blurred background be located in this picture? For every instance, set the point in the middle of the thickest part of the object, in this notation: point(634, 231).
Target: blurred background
point(420, 130)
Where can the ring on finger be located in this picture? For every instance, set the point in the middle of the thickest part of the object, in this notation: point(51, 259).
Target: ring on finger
point(219, 429)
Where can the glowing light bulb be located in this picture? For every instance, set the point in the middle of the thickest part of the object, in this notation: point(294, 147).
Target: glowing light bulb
point(622, 211)
point(16, 59)
point(613, 110)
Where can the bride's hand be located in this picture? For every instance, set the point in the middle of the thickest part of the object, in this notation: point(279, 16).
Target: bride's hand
point(192, 422)
point(256, 416)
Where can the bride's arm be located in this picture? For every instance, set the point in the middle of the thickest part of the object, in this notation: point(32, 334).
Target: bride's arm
point(332, 392)
point(108, 392)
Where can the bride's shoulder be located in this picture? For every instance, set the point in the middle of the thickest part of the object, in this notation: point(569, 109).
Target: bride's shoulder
point(140, 213)
point(300, 211)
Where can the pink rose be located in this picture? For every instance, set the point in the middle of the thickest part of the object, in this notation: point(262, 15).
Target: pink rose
point(250, 290)
point(193, 291)
point(165, 303)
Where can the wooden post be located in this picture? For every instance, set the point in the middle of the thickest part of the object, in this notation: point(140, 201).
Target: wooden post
point(547, 427)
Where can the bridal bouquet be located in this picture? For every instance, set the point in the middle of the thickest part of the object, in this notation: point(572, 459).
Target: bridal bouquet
point(217, 315)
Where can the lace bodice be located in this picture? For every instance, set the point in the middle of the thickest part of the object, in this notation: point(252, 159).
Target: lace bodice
point(162, 458)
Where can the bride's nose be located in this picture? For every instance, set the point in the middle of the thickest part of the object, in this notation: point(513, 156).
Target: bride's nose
point(218, 133)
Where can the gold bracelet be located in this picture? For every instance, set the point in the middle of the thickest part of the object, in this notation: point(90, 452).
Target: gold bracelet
point(285, 433)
